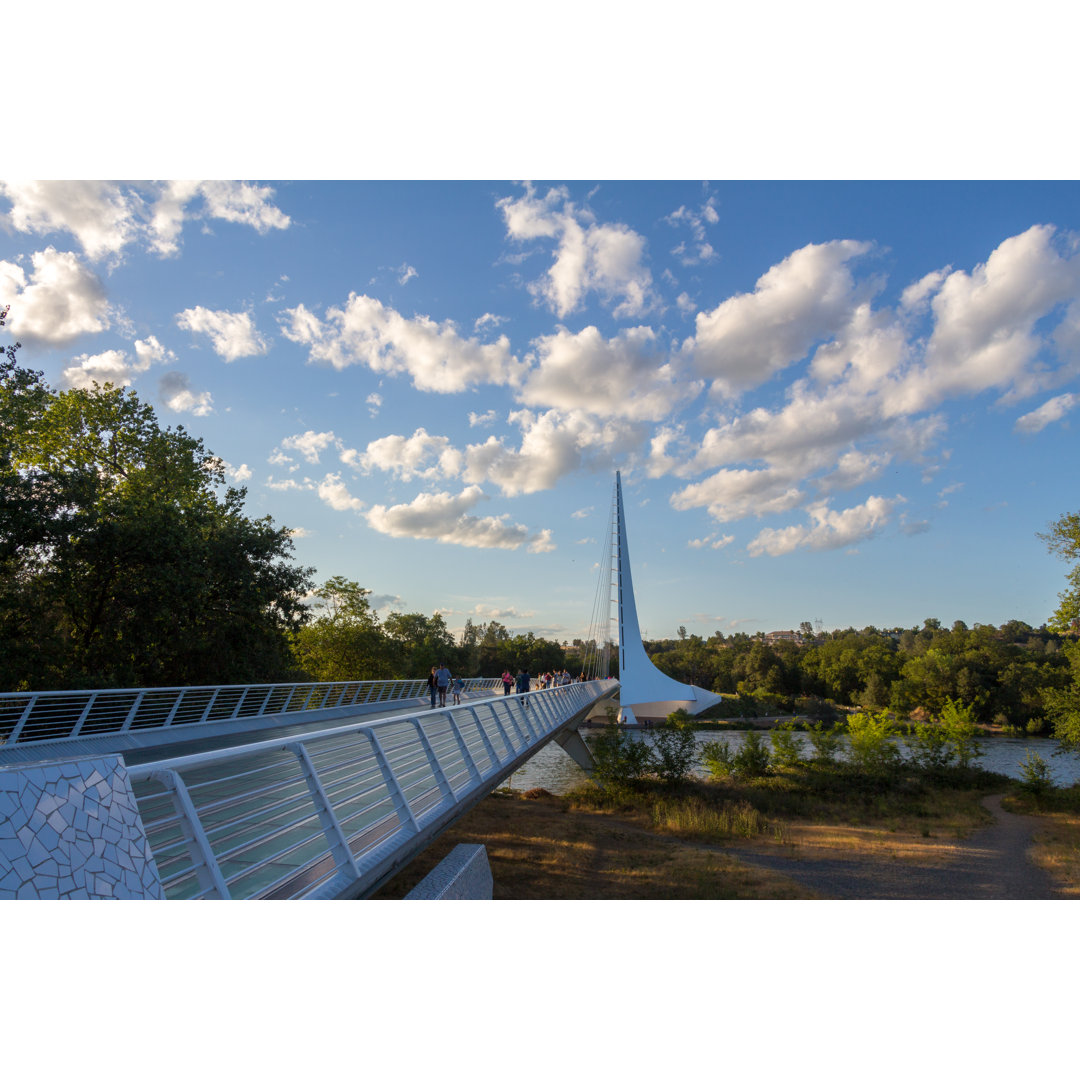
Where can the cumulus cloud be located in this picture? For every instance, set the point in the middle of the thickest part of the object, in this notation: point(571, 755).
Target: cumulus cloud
point(374, 403)
point(310, 445)
point(590, 257)
point(485, 419)
point(106, 217)
point(807, 297)
point(113, 366)
point(627, 376)
point(406, 273)
point(60, 300)
point(419, 455)
point(445, 518)
point(335, 494)
point(699, 250)
point(232, 333)
point(710, 541)
point(176, 394)
point(239, 473)
point(1048, 413)
point(829, 529)
point(433, 355)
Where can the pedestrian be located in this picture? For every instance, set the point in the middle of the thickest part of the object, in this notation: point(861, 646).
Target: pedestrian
point(523, 684)
point(508, 681)
point(459, 685)
point(442, 680)
point(431, 685)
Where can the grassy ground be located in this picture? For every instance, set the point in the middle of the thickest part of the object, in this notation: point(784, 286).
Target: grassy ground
point(1057, 843)
point(670, 844)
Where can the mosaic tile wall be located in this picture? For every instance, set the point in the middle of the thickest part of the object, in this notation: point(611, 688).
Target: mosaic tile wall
point(72, 830)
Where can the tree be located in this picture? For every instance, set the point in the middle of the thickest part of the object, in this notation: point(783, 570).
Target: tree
point(1063, 704)
point(123, 562)
point(344, 639)
point(1063, 540)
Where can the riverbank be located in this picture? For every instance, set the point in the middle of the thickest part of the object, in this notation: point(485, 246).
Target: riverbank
point(723, 840)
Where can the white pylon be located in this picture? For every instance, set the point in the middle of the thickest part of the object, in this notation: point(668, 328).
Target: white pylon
point(644, 689)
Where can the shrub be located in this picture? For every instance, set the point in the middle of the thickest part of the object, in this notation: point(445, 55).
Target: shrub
point(959, 724)
point(718, 757)
point(752, 758)
point(696, 817)
point(1035, 774)
point(870, 743)
point(674, 748)
point(1035, 725)
point(930, 746)
point(620, 758)
point(825, 741)
point(786, 753)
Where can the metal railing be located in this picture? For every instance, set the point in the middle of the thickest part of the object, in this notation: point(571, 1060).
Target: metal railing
point(335, 813)
point(65, 715)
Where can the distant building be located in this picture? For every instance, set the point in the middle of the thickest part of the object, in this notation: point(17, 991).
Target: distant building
point(773, 636)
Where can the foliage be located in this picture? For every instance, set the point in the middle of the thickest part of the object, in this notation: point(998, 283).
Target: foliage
point(871, 745)
point(1063, 539)
point(752, 758)
point(1063, 704)
point(343, 640)
point(959, 727)
point(718, 757)
point(122, 562)
point(929, 745)
point(674, 748)
point(825, 741)
point(1035, 774)
point(621, 758)
point(786, 752)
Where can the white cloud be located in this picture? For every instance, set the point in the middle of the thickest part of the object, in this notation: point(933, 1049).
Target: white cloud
point(418, 455)
point(482, 419)
point(584, 512)
point(151, 351)
point(238, 473)
point(232, 333)
point(176, 394)
point(406, 273)
point(374, 403)
point(107, 217)
point(444, 517)
point(808, 296)
point(113, 366)
point(1048, 413)
point(434, 356)
point(61, 301)
point(730, 494)
point(626, 376)
point(335, 494)
point(487, 319)
point(310, 445)
point(700, 250)
point(605, 259)
point(289, 484)
point(830, 529)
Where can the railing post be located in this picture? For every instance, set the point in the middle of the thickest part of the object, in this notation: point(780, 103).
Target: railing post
point(396, 792)
point(332, 830)
point(495, 759)
point(21, 722)
point(176, 707)
point(209, 705)
point(466, 753)
point(77, 729)
point(433, 759)
point(208, 872)
point(126, 726)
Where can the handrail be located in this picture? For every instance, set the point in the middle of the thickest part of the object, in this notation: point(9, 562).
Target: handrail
point(335, 812)
point(67, 715)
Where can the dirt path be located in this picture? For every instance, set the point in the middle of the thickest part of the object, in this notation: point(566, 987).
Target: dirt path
point(991, 864)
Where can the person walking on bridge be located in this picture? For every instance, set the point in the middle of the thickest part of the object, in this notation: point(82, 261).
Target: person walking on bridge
point(442, 679)
point(431, 685)
point(508, 681)
point(523, 684)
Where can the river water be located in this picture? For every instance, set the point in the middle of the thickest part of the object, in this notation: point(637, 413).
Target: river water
point(553, 769)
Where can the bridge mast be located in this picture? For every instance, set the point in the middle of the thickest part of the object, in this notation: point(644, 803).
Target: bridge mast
point(645, 690)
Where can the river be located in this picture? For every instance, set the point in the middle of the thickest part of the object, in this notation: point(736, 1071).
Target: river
point(553, 769)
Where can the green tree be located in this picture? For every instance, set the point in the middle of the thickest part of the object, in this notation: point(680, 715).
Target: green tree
point(1063, 539)
point(123, 560)
point(1063, 704)
point(343, 640)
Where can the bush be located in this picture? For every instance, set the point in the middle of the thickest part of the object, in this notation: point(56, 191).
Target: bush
point(786, 753)
point(674, 748)
point(930, 746)
point(825, 741)
point(620, 758)
point(870, 743)
point(1035, 774)
point(752, 758)
point(718, 758)
point(959, 725)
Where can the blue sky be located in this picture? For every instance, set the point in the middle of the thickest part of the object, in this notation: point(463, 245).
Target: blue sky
point(845, 401)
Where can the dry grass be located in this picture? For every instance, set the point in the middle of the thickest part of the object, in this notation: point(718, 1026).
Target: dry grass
point(1057, 841)
point(540, 849)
